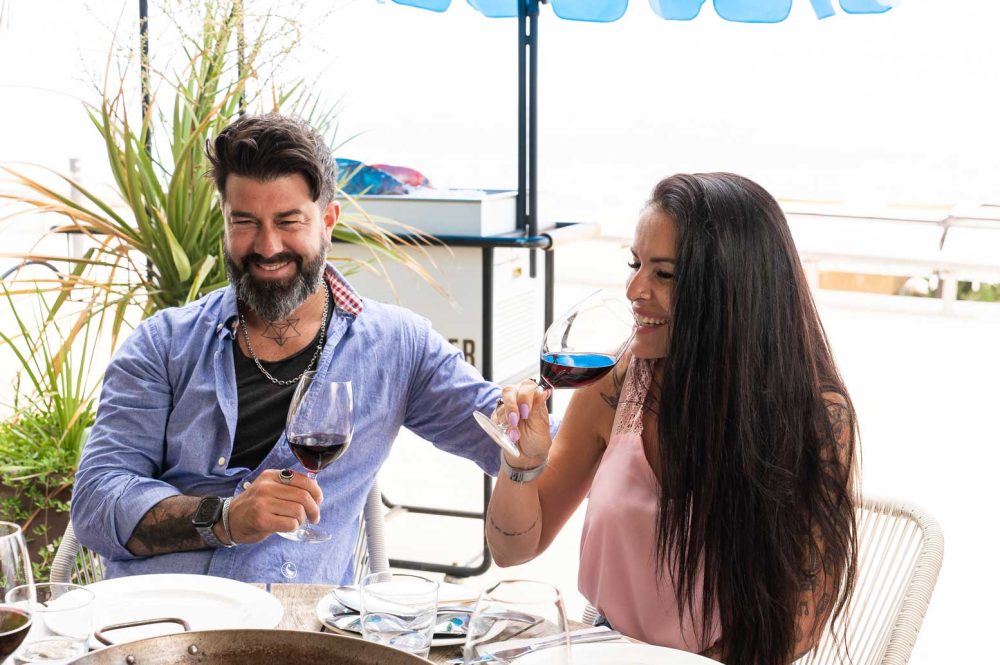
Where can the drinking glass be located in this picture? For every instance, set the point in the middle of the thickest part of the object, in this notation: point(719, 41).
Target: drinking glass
point(578, 348)
point(62, 617)
point(15, 566)
point(399, 611)
point(491, 622)
point(319, 429)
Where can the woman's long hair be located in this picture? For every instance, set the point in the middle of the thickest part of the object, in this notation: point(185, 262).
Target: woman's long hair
point(756, 430)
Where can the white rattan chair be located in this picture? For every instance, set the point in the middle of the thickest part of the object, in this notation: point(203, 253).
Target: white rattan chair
point(75, 563)
point(900, 549)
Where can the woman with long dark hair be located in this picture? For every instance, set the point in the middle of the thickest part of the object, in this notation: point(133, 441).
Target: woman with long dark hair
point(718, 456)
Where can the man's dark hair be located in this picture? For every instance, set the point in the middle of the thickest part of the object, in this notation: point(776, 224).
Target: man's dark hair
point(265, 147)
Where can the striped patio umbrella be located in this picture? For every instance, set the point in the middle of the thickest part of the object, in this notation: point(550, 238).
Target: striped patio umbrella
point(605, 11)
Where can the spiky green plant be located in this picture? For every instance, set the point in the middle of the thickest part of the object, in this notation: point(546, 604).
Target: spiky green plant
point(164, 249)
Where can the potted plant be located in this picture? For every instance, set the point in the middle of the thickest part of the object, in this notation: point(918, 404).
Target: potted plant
point(156, 243)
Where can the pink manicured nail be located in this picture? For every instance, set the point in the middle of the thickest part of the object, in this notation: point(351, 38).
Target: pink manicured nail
point(515, 435)
point(512, 418)
point(524, 411)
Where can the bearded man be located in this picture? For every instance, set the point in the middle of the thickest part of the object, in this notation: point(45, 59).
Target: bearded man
point(187, 466)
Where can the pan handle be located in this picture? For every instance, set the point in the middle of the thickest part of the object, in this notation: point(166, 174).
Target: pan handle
point(99, 634)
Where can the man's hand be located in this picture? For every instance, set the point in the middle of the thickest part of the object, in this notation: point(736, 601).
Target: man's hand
point(269, 506)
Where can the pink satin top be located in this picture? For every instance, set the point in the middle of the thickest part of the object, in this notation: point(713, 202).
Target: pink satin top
point(618, 546)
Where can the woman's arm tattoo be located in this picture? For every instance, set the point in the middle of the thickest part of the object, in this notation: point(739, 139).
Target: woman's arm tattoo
point(511, 534)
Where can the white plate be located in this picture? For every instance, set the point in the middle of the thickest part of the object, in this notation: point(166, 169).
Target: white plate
point(205, 602)
point(618, 653)
point(448, 594)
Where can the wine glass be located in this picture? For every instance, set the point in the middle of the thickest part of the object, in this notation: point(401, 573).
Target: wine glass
point(579, 348)
point(500, 615)
point(15, 570)
point(319, 429)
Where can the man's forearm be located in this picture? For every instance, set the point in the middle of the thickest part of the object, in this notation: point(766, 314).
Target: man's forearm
point(167, 528)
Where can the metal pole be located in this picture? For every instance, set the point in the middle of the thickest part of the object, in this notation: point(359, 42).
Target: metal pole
point(522, 114)
point(144, 72)
point(533, 132)
point(240, 53)
point(533, 118)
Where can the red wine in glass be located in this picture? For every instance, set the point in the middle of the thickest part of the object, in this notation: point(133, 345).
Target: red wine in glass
point(318, 450)
point(318, 430)
point(575, 370)
point(577, 349)
point(14, 626)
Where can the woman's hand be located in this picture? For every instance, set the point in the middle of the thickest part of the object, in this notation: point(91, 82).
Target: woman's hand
point(523, 408)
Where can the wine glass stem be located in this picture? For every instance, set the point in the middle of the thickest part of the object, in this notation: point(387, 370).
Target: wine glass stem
point(311, 475)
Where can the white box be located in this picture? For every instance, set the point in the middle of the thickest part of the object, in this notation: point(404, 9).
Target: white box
point(449, 212)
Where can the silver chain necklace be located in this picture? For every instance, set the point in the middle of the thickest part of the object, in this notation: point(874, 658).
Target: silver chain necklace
point(312, 361)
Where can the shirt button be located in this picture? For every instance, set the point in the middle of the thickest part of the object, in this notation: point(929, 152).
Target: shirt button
point(222, 461)
point(219, 328)
point(246, 485)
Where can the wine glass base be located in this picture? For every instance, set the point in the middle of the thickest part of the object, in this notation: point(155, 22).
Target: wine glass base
point(305, 535)
point(497, 433)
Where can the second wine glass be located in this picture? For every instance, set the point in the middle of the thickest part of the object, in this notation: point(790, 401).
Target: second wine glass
point(514, 610)
point(319, 429)
point(15, 570)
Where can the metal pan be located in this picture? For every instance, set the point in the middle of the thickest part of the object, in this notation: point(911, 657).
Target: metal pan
point(243, 647)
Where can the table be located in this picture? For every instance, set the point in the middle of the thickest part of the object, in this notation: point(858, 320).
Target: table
point(299, 601)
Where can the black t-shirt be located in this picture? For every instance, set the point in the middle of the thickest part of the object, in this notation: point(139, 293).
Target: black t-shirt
point(262, 405)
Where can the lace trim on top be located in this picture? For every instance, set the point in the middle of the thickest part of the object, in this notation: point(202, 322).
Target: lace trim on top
point(628, 420)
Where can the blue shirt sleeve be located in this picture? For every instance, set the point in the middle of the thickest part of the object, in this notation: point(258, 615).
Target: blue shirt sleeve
point(444, 391)
point(116, 480)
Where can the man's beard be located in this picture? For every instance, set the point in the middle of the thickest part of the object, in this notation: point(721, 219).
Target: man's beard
point(272, 299)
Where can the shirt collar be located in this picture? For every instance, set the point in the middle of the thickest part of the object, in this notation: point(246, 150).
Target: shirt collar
point(345, 299)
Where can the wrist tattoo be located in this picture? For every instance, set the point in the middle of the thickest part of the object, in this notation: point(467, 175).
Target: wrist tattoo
point(511, 534)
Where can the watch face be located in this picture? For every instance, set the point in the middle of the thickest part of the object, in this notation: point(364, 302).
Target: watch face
point(209, 511)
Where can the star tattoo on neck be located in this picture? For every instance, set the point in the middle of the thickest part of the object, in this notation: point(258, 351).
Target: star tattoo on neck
point(281, 331)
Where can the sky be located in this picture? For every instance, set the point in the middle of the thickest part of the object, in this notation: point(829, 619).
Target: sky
point(899, 108)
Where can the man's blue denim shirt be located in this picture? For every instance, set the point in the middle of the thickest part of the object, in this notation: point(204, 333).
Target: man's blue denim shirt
point(167, 416)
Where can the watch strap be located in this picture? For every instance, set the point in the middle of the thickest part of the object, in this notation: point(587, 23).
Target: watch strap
point(521, 475)
point(225, 523)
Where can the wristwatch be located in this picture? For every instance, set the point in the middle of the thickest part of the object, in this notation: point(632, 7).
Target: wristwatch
point(208, 513)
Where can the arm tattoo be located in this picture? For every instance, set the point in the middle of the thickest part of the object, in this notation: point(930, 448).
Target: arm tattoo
point(841, 423)
point(281, 331)
point(617, 379)
point(167, 528)
point(511, 534)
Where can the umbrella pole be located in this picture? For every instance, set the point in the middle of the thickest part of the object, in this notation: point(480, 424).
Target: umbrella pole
point(527, 178)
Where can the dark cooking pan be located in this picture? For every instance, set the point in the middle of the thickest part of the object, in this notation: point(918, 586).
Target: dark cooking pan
point(248, 647)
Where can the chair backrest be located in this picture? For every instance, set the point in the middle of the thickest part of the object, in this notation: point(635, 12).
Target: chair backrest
point(75, 563)
point(900, 550)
